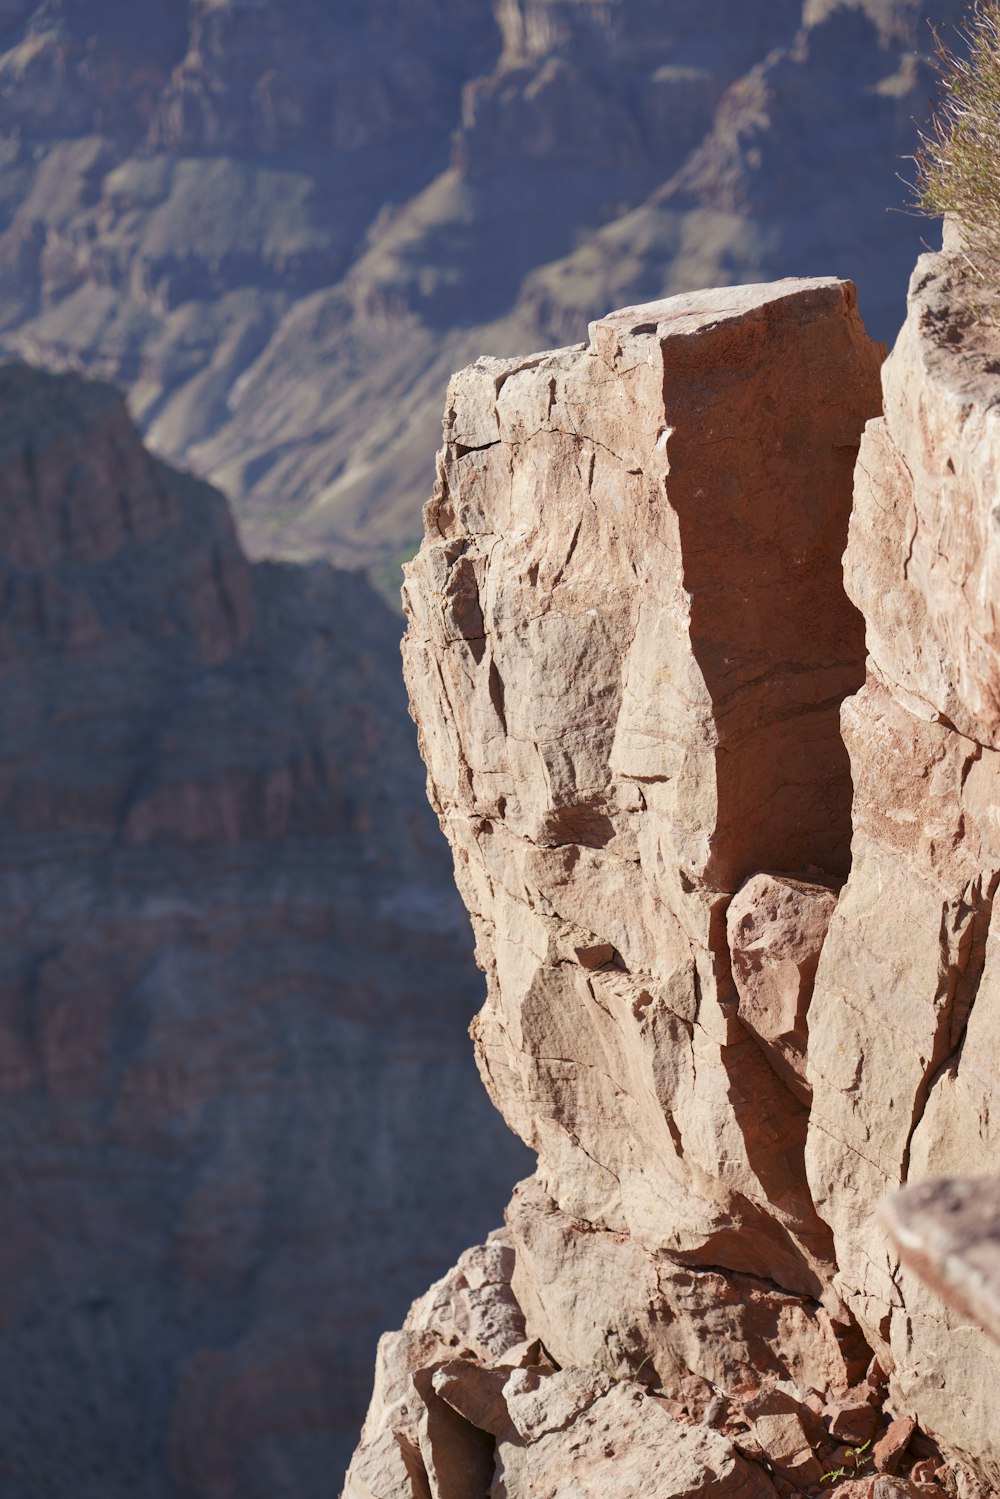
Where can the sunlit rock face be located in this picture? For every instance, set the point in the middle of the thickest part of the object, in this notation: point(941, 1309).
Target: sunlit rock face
point(903, 1023)
point(282, 225)
point(638, 665)
point(628, 646)
point(239, 1125)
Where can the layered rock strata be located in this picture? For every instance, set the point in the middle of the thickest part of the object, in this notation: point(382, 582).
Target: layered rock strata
point(234, 984)
point(282, 224)
point(628, 647)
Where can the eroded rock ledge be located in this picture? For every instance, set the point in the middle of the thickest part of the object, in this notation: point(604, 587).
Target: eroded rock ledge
point(628, 651)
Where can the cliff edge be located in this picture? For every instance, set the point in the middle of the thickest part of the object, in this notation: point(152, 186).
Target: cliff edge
point(731, 880)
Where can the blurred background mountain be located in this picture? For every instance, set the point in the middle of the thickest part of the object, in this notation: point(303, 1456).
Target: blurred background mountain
point(239, 1116)
point(240, 1125)
point(280, 224)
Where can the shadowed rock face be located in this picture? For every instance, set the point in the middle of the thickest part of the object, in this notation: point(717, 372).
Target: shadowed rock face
point(283, 225)
point(239, 1126)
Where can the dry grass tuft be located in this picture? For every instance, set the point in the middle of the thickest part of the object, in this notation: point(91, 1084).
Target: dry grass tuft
point(958, 161)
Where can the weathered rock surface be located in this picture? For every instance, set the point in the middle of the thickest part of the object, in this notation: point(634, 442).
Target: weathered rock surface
point(629, 642)
point(234, 982)
point(459, 1412)
point(608, 763)
point(903, 1024)
point(627, 650)
point(282, 224)
point(777, 926)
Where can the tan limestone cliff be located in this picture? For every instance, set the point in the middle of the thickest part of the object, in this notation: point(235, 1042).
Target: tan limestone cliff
point(628, 647)
point(726, 1010)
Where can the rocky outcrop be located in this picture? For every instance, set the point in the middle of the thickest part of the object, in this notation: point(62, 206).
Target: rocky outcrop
point(234, 982)
point(283, 224)
point(465, 1405)
point(903, 1024)
point(630, 654)
point(603, 693)
point(627, 651)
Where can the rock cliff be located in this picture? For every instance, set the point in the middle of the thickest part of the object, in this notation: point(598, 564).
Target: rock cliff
point(903, 1024)
point(738, 987)
point(234, 983)
point(281, 224)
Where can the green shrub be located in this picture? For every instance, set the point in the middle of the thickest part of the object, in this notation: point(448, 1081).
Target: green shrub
point(958, 162)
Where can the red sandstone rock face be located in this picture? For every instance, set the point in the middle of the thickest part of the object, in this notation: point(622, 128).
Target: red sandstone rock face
point(233, 985)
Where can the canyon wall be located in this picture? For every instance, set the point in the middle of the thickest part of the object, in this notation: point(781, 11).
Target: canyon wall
point(282, 224)
point(234, 984)
point(731, 886)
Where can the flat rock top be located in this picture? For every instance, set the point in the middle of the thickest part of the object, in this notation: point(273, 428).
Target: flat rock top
point(692, 311)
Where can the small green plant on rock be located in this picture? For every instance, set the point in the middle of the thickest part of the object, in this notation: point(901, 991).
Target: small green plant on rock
point(632, 1375)
point(854, 1456)
point(958, 161)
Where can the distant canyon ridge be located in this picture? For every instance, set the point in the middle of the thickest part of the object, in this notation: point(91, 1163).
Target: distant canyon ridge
point(281, 226)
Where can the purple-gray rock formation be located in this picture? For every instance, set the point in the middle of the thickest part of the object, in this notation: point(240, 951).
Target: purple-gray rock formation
point(240, 1125)
point(282, 226)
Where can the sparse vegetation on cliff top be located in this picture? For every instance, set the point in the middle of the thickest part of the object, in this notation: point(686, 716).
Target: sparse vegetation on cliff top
point(958, 162)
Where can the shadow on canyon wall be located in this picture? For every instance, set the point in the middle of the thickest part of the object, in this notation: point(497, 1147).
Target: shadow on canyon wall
point(240, 1123)
point(281, 227)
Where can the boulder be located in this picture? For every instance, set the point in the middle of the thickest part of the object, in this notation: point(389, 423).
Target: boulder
point(777, 926)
